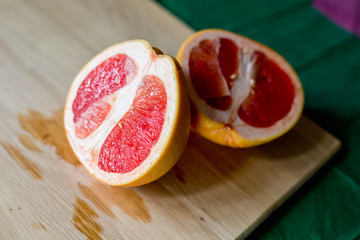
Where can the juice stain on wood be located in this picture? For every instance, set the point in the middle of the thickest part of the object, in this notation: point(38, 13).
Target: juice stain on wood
point(96, 199)
point(28, 142)
point(84, 219)
point(50, 131)
point(26, 163)
point(39, 226)
point(129, 202)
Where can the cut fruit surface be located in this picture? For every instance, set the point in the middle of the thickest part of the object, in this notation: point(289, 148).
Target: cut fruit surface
point(270, 97)
point(91, 119)
point(127, 114)
point(131, 140)
point(243, 93)
point(105, 79)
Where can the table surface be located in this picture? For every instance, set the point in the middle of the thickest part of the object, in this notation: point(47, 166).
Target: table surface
point(327, 59)
point(45, 43)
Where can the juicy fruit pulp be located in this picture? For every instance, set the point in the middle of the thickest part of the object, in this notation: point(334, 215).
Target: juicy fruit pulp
point(207, 78)
point(271, 97)
point(91, 119)
point(243, 93)
point(132, 138)
point(215, 65)
point(88, 108)
point(105, 79)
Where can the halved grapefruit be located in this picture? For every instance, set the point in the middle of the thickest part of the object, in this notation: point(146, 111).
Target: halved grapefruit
point(242, 92)
point(127, 114)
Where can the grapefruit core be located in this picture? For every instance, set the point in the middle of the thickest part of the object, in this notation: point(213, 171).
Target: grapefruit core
point(127, 114)
point(243, 93)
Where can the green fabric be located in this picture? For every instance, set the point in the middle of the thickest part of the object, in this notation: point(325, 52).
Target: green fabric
point(327, 60)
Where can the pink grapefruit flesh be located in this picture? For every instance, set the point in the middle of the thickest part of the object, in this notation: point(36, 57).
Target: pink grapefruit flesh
point(132, 139)
point(91, 119)
point(213, 66)
point(108, 77)
point(271, 98)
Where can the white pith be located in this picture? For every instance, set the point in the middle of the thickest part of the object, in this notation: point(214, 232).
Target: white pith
point(147, 63)
point(242, 86)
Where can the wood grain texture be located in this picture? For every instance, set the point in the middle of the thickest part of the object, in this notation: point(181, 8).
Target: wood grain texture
point(213, 192)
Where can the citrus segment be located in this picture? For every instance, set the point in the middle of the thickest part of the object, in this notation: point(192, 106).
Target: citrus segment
point(228, 60)
point(132, 139)
point(105, 79)
point(271, 96)
point(91, 119)
point(205, 72)
point(213, 68)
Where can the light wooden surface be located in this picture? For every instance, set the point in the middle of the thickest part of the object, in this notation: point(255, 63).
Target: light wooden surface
point(212, 193)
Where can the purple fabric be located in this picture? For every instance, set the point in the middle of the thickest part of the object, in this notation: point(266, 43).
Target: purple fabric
point(345, 13)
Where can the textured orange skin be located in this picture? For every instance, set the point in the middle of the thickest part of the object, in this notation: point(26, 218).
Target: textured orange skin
point(218, 132)
point(177, 140)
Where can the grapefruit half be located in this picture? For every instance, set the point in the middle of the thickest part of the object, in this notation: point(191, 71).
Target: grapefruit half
point(127, 114)
point(242, 92)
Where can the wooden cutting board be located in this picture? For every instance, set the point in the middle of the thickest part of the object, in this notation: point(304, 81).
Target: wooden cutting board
point(213, 192)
